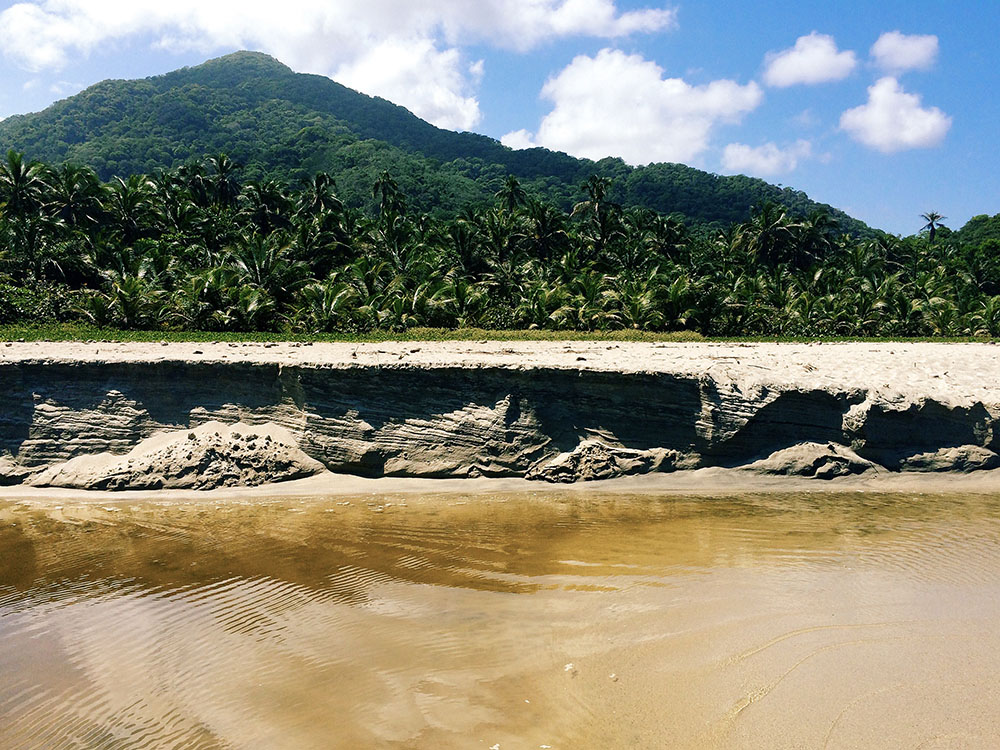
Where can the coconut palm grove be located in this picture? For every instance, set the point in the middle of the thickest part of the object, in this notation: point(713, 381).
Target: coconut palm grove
point(194, 248)
point(320, 210)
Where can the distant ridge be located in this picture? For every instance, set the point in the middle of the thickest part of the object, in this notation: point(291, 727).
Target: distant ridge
point(286, 125)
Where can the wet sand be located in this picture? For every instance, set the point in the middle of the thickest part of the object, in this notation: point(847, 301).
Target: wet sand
point(710, 482)
point(479, 620)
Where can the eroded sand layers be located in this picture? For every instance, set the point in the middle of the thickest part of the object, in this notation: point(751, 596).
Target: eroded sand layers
point(557, 421)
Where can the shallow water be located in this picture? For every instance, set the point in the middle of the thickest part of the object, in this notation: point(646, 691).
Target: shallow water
point(567, 621)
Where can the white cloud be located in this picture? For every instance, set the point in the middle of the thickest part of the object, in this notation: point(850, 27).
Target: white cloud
point(765, 160)
point(66, 88)
point(519, 139)
point(896, 52)
point(620, 105)
point(523, 24)
point(893, 120)
point(415, 74)
point(407, 51)
point(813, 59)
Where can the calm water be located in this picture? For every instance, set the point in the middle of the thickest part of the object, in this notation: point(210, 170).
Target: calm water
point(563, 621)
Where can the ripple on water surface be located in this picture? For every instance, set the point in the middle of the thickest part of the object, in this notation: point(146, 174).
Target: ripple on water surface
point(561, 620)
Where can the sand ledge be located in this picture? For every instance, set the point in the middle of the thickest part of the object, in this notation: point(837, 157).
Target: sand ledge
point(557, 411)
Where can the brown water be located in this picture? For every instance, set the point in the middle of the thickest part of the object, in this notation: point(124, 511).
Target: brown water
point(562, 621)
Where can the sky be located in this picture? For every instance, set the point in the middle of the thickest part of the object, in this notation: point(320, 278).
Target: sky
point(886, 110)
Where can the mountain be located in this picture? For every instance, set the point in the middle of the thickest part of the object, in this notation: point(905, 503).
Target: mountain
point(287, 125)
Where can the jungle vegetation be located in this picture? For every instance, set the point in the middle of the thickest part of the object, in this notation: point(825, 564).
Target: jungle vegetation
point(201, 247)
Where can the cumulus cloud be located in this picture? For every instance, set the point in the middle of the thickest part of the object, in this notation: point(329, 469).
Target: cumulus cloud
point(409, 52)
point(415, 72)
point(896, 52)
point(766, 160)
point(519, 139)
point(616, 104)
point(813, 59)
point(894, 120)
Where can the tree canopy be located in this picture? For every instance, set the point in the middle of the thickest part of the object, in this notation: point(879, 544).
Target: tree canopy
point(206, 247)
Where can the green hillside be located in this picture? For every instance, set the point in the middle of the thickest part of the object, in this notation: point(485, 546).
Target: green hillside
point(288, 126)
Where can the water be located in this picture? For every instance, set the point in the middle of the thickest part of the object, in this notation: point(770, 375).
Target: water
point(566, 620)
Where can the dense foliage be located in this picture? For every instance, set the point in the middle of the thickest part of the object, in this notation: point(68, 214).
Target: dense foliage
point(195, 248)
point(287, 126)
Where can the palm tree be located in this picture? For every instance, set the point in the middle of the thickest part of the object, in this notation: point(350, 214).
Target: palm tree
point(596, 188)
point(770, 237)
point(546, 234)
point(933, 220)
point(266, 204)
point(224, 187)
point(511, 195)
point(602, 221)
point(986, 320)
point(74, 195)
point(391, 198)
point(265, 263)
point(129, 206)
point(22, 185)
point(319, 196)
point(326, 306)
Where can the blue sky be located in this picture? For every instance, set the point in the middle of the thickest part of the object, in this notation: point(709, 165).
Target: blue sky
point(886, 110)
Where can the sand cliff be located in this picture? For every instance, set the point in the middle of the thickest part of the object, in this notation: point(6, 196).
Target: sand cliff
point(552, 411)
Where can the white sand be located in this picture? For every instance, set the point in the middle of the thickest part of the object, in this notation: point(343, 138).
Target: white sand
point(950, 373)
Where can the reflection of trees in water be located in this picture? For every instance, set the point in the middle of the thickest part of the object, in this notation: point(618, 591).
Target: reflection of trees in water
point(498, 545)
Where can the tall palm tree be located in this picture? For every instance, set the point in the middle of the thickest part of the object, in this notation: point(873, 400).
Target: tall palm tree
point(74, 195)
point(22, 185)
point(596, 188)
point(771, 236)
point(933, 219)
point(391, 198)
point(511, 195)
point(224, 186)
point(129, 207)
point(319, 196)
point(267, 205)
point(547, 232)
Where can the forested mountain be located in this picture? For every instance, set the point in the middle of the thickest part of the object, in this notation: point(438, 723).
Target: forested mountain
point(337, 212)
point(287, 126)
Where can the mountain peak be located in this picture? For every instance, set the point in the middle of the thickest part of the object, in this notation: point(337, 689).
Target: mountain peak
point(286, 125)
point(233, 68)
point(248, 59)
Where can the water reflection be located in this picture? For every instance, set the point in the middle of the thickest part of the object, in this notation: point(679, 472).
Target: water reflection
point(562, 620)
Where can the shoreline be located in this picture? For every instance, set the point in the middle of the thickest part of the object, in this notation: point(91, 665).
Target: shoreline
point(706, 484)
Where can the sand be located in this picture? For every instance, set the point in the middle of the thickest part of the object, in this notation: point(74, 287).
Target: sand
point(958, 376)
point(954, 372)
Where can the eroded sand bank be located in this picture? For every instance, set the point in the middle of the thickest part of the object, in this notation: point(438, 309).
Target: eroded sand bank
point(392, 416)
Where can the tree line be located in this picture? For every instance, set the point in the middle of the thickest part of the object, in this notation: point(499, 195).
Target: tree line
point(194, 248)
